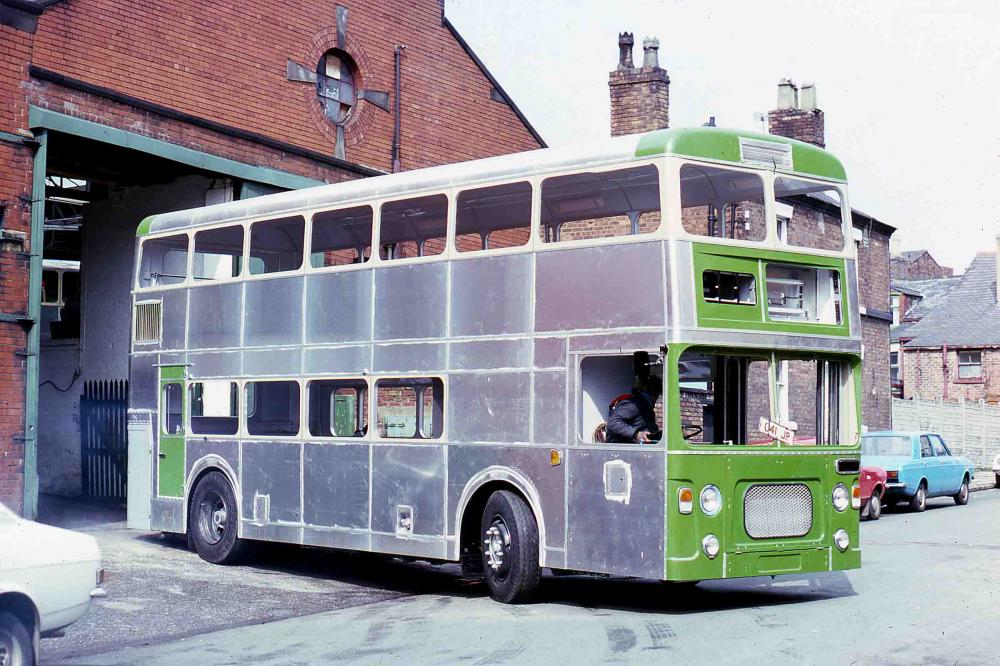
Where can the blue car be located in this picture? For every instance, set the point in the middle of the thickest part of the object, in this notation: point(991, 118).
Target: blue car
point(918, 465)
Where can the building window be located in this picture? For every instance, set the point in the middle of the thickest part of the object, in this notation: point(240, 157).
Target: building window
point(894, 366)
point(894, 301)
point(337, 85)
point(970, 365)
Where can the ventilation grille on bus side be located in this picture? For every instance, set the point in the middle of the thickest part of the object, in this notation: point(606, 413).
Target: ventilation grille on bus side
point(147, 322)
point(770, 154)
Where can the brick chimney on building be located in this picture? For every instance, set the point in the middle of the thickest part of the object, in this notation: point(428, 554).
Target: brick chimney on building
point(797, 116)
point(640, 96)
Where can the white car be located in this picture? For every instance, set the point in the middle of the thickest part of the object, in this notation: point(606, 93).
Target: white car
point(48, 577)
point(996, 468)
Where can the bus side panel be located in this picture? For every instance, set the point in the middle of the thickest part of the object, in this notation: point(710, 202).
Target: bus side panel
point(216, 310)
point(408, 476)
point(215, 364)
point(335, 478)
point(615, 512)
point(467, 461)
point(472, 279)
point(174, 319)
point(271, 470)
point(226, 449)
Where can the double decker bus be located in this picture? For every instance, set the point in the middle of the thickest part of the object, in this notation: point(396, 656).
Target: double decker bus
point(422, 364)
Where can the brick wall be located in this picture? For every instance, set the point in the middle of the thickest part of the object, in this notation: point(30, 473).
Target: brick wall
point(925, 377)
point(804, 125)
point(923, 268)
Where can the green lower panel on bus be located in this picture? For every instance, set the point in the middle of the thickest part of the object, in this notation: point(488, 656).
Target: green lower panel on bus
point(770, 564)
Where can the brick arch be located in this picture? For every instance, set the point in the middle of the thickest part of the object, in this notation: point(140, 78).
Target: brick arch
point(364, 111)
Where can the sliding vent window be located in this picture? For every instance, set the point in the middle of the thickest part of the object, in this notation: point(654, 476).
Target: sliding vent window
point(808, 398)
point(723, 399)
point(338, 408)
point(413, 227)
point(803, 294)
point(411, 408)
point(214, 408)
point(809, 214)
point(218, 254)
point(734, 288)
point(341, 237)
point(164, 261)
point(722, 203)
point(272, 408)
point(600, 205)
point(491, 218)
point(276, 245)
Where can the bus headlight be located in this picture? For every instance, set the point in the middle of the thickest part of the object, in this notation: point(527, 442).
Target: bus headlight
point(841, 540)
point(711, 500)
point(840, 497)
point(710, 544)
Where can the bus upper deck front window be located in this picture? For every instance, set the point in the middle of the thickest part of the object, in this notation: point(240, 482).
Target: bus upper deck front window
point(722, 203)
point(811, 212)
point(163, 261)
point(723, 398)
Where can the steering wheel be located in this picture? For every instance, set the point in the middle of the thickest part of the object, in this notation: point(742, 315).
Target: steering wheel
point(689, 431)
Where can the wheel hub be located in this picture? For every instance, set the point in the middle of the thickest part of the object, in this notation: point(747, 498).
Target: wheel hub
point(6, 649)
point(497, 544)
point(212, 516)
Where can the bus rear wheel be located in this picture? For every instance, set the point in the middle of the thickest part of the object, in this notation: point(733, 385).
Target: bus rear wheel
point(509, 535)
point(213, 521)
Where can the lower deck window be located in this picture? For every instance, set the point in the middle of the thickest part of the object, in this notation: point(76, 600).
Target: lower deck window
point(338, 408)
point(723, 398)
point(273, 408)
point(808, 398)
point(410, 408)
point(214, 408)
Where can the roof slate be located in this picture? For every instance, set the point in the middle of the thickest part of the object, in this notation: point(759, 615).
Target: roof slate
point(960, 311)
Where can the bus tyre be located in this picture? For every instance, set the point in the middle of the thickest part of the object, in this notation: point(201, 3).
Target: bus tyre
point(962, 498)
point(919, 501)
point(213, 521)
point(509, 536)
point(16, 646)
point(874, 506)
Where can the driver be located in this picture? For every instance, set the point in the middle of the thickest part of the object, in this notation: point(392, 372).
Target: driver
point(632, 418)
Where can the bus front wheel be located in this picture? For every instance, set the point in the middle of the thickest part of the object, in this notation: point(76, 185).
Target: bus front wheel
point(213, 521)
point(509, 535)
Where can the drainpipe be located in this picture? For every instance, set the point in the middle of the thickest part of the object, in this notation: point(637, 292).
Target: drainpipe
point(944, 371)
point(30, 436)
point(397, 109)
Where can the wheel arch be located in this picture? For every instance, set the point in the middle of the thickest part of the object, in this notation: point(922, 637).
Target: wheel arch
point(477, 491)
point(20, 604)
point(211, 463)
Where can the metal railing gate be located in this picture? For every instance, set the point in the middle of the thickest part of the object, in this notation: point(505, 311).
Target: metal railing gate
point(104, 439)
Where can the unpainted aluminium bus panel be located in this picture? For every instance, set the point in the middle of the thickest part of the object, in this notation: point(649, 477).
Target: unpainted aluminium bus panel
point(339, 307)
point(408, 475)
point(206, 365)
point(335, 478)
point(199, 447)
point(167, 513)
point(411, 357)
point(468, 461)
point(491, 295)
point(410, 301)
point(337, 360)
point(143, 384)
point(550, 353)
point(549, 407)
point(271, 469)
point(486, 407)
point(602, 287)
point(273, 312)
point(616, 511)
point(490, 354)
point(272, 362)
point(215, 316)
point(616, 342)
point(174, 313)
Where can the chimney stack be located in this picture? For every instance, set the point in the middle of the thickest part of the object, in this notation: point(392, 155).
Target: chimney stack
point(640, 96)
point(797, 115)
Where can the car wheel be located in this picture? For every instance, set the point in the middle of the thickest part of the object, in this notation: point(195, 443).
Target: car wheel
point(213, 520)
point(16, 646)
point(919, 501)
point(509, 536)
point(962, 498)
point(874, 507)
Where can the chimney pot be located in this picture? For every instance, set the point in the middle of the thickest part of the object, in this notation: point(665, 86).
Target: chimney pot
point(625, 43)
point(788, 94)
point(807, 97)
point(650, 53)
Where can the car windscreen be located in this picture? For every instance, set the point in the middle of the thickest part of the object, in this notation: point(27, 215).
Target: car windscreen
point(886, 446)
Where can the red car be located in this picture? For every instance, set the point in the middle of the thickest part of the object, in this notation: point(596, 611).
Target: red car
point(872, 487)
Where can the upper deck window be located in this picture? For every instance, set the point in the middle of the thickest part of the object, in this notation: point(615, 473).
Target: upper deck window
point(490, 218)
point(341, 237)
point(218, 253)
point(812, 214)
point(164, 261)
point(722, 203)
point(276, 245)
point(604, 204)
point(413, 227)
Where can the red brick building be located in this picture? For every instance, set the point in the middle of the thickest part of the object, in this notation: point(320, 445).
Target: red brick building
point(918, 265)
point(112, 110)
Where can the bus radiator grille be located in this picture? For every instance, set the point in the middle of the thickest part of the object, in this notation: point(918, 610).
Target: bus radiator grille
point(773, 510)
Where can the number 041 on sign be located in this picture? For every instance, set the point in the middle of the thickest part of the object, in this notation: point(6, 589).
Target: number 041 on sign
point(780, 432)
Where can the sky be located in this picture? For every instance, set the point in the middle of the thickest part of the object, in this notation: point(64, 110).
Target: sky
point(910, 89)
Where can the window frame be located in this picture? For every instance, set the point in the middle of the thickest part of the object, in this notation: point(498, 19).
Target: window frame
point(533, 181)
point(373, 204)
point(846, 225)
point(245, 412)
point(442, 438)
point(968, 363)
point(359, 379)
point(183, 284)
point(770, 219)
point(194, 231)
point(247, 240)
point(239, 407)
point(447, 253)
